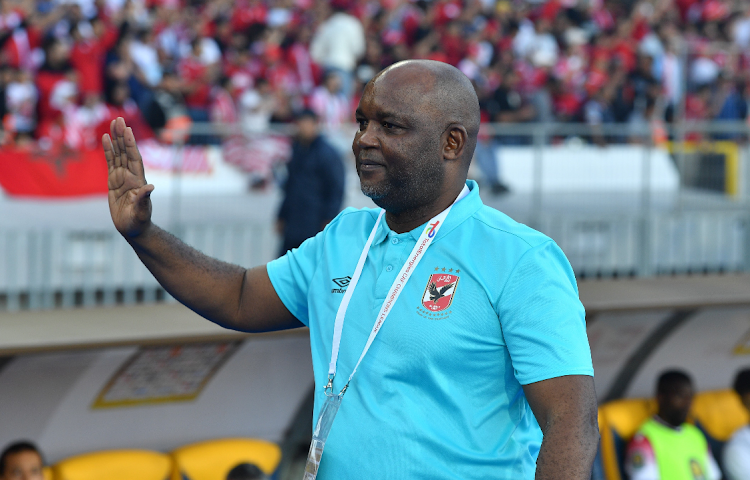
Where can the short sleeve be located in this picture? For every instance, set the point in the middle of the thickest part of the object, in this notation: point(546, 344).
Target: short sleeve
point(542, 319)
point(640, 461)
point(292, 273)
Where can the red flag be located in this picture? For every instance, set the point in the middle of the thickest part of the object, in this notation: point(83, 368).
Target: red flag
point(54, 173)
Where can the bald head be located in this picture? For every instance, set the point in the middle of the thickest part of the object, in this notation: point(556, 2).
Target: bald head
point(440, 92)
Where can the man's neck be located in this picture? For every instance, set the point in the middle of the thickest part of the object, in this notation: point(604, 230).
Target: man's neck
point(666, 423)
point(412, 218)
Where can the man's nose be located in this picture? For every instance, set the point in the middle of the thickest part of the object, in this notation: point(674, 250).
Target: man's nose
point(368, 137)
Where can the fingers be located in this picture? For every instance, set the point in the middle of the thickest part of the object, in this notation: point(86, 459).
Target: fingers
point(135, 162)
point(119, 137)
point(109, 152)
point(115, 149)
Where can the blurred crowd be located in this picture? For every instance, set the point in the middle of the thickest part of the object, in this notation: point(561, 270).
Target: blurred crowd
point(68, 66)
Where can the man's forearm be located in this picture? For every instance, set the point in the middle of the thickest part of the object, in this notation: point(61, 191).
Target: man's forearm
point(207, 286)
point(567, 452)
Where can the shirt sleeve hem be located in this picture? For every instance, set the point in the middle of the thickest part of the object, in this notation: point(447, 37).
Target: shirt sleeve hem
point(589, 372)
point(271, 270)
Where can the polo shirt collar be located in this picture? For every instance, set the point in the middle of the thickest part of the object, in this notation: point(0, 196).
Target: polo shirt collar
point(462, 210)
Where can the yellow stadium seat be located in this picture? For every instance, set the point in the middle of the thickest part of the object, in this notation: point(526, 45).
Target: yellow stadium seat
point(47, 473)
point(213, 459)
point(618, 422)
point(719, 413)
point(115, 465)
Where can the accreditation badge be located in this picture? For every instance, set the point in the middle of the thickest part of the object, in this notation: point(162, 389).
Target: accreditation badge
point(320, 435)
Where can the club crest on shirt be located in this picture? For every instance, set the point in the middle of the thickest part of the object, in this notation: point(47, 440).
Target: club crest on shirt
point(439, 292)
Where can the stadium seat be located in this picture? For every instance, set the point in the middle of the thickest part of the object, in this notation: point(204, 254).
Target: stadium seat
point(115, 465)
point(718, 414)
point(618, 422)
point(213, 459)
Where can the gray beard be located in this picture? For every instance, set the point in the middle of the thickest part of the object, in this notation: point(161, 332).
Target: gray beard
point(410, 192)
point(375, 192)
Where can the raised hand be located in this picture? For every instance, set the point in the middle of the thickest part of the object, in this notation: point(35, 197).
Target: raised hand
point(129, 194)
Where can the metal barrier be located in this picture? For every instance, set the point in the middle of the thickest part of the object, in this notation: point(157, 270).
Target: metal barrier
point(41, 269)
point(701, 223)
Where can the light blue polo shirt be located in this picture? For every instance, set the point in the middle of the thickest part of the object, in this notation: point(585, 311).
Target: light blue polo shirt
point(493, 305)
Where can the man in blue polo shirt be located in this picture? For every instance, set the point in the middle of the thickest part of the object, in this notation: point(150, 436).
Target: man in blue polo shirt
point(467, 324)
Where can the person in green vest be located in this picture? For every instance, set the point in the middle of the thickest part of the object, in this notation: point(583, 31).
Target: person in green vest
point(665, 447)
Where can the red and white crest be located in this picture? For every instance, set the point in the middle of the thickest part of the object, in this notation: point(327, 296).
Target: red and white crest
point(438, 295)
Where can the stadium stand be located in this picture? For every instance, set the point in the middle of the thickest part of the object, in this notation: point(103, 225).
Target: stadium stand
point(212, 460)
point(68, 67)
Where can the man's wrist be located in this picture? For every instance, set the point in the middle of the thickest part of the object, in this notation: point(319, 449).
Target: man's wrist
point(145, 233)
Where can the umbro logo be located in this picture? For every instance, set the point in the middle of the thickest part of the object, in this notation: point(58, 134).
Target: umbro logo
point(342, 283)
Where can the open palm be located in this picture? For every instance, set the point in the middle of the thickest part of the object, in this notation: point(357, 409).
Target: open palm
point(129, 194)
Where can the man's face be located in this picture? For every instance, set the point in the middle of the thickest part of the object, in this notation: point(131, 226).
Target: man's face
point(675, 404)
point(398, 145)
point(307, 129)
point(26, 465)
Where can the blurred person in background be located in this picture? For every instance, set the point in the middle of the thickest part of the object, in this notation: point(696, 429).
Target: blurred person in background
point(145, 56)
point(329, 102)
point(666, 447)
point(89, 53)
point(729, 104)
point(314, 188)
point(20, 104)
point(338, 44)
point(197, 77)
point(120, 104)
point(21, 461)
point(246, 471)
point(737, 450)
point(256, 106)
point(167, 113)
point(55, 77)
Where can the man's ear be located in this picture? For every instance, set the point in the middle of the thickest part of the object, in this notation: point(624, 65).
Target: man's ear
point(454, 142)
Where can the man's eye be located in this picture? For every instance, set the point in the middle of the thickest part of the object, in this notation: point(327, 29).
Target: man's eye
point(362, 124)
point(389, 126)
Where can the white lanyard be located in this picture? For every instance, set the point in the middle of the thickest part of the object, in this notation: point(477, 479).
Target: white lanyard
point(424, 241)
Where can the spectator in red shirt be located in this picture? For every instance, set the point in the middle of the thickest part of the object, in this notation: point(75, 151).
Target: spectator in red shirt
point(119, 104)
point(88, 54)
point(453, 43)
point(197, 79)
point(56, 69)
